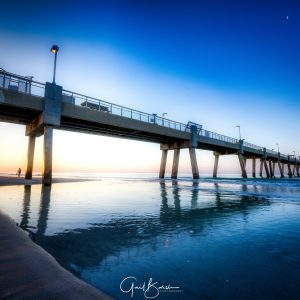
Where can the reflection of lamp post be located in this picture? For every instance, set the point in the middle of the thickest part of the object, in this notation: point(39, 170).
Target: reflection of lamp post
point(239, 131)
point(54, 50)
point(277, 147)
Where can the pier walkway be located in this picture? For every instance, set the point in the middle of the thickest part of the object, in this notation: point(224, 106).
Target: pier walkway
point(44, 107)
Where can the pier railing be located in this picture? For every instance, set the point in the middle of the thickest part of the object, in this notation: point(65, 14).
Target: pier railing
point(23, 84)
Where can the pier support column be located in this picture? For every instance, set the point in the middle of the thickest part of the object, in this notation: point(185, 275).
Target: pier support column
point(48, 143)
point(298, 175)
point(163, 163)
point(266, 168)
point(175, 163)
point(280, 166)
point(216, 164)
point(30, 157)
point(194, 164)
point(294, 169)
point(271, 169)
point(253, 167)
point(261, 167)
point(289, 170)
point(243, 166)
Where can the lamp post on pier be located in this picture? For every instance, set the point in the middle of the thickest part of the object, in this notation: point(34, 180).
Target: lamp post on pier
point(277, 144)
point(54, 49)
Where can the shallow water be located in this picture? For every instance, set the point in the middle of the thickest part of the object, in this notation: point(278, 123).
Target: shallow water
point(212, 239)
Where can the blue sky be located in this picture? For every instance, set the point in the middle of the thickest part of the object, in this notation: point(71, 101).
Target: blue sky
point(218, 63)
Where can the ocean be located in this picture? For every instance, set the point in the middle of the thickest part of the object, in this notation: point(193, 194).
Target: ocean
point(137, 237)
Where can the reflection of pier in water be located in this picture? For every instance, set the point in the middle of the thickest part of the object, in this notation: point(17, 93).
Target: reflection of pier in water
point(102, 240)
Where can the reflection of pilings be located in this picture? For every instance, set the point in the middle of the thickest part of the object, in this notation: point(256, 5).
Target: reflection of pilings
point(26, 207)
point(164, 196)
point(195, 192)
point(176, 198)
point(44, 210)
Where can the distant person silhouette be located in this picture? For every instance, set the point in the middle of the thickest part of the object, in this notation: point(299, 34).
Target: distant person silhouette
point(19, 172)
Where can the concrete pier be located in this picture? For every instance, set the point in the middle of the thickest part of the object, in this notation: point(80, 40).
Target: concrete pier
point(30, 157)
point(280, 166)
point(261, 167)
point(175, 163)
point(266, 168)
point(242, 164)
point(48, 145)
point(290, 174)
point(163, 163)
point(253, 167)
point(215, 172)
point(29, 272)
point(194, 163)
point(271, 169)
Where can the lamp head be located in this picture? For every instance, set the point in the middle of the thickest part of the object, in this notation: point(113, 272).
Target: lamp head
point(54, 49)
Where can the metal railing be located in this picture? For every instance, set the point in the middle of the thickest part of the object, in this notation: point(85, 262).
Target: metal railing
point(21, 84)
point(26, 85)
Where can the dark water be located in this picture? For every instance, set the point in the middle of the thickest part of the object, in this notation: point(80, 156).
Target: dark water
point(213, 239)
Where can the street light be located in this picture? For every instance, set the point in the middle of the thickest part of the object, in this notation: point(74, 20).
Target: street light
point(277, 147)
point(239, 131)
point(54, 50)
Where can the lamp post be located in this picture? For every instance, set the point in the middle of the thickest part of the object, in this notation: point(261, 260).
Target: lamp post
point(54, 49)
point(277, 144)
point(239, 131)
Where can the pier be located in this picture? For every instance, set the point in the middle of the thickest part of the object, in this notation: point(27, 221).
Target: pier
point(45, 107)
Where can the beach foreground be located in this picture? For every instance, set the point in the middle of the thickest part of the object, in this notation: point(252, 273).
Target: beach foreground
point(31, 273)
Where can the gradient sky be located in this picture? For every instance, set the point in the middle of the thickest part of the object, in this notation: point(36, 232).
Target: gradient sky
point(217, 63)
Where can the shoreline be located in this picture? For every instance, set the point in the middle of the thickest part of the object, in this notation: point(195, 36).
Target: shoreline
point(14, 180)
point(32, 273)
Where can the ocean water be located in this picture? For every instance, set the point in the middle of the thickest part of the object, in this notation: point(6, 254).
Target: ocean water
point(136, 237)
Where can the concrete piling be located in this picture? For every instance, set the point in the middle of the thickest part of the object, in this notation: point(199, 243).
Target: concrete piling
point(175, 163)
point(215, 172)
point(163, 163)
point(194, 164)
point(30, 157)
point(253, 167)
point(48, 145)
point(242, 164)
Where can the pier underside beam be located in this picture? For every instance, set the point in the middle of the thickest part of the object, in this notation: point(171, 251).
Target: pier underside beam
point(30, 157)
point(194, 164)
point(215, 172)
point(175, 163)
point(48, 145)
point(243, 165)
point(253, 167)
point(163, 163)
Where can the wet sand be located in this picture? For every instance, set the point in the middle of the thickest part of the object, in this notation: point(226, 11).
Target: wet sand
point(14, 180)
point(28, 272)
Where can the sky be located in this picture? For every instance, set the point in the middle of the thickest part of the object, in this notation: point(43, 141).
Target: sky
point(216, 63)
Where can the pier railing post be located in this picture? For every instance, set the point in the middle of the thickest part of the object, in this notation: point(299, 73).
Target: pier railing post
point(30, 157)
point(163, 163)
